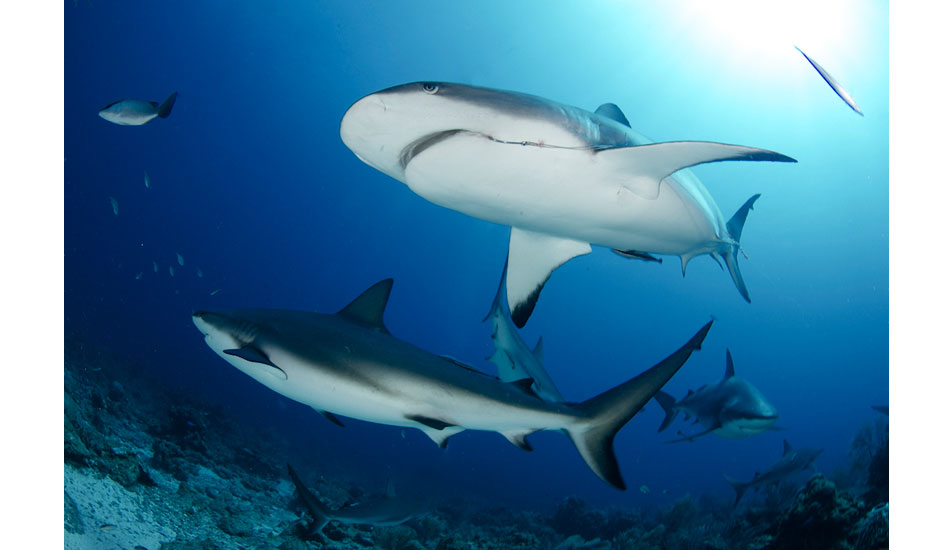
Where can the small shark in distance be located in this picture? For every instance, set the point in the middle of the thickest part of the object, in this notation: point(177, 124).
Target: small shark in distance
point(731, 408)
point(792, 462)
point(136, 112)
point(391, 510)
point(515, 361)
point(563, 178)
point(349, 364)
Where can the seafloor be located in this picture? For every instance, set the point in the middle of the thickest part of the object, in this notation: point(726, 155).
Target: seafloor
point(147, 468)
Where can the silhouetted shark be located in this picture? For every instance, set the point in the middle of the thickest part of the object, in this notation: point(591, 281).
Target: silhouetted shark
point(792, 462)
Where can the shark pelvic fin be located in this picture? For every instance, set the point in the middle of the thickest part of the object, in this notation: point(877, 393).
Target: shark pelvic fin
point(368, 308)
point(641, 168)
point(518, 439)
point(608, 412)
point(532, 257)
point(730, 368)
point(254, 355)
point(611, 111)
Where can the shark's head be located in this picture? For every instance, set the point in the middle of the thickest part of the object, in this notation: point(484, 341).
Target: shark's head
point(389, 128)
point(747, 413)
point(235, 339)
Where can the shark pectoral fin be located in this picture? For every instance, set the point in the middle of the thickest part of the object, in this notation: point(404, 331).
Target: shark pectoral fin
point(368, 308)
point(611, 111)
point(690, 438)
point(517, 439)
point(641, 168)
point(254, 355)
point(331, 417)
point(532, 257)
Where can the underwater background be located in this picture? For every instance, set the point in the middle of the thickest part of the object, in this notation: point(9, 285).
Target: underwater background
point(253, 201)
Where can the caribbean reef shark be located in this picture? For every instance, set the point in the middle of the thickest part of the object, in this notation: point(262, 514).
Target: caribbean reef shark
point(136, 112)
point(515, 361)
point(562, 177)
point(391, 510)
point(731, 408)
point(792, 462)
point(349, 364)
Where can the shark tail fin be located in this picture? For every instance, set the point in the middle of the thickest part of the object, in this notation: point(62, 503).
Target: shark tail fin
point(667, 402)
point(731, 256)
point(498, 304)
point(320, 513)
point(165, 108)
point(739, 486)
point(604, 414)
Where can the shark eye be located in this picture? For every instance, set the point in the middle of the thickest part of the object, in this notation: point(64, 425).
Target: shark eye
point(430, 88)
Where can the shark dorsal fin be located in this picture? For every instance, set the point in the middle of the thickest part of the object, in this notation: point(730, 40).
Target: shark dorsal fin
point(689, 393)
point(368, 307)
point(787, 448)
point(539, 351)
point(611, 111)
point(730, 368)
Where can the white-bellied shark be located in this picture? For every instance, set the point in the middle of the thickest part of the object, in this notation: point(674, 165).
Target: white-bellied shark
point(515, 361)
point(390, 510)
point(562, 177)
point(792, 462)
point(838, 88)
point(349, 364)
point(136, 112)
point(731, 408)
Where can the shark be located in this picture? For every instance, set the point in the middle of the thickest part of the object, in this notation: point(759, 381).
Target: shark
point(792, 462)
point(731, 408)
point(513, 358)
point(348, 363)
point(830, 80)
point(136, 112)
point(563, 178)
point(389, 510)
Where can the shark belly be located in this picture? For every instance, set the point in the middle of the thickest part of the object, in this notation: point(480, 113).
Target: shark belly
point(562, 192)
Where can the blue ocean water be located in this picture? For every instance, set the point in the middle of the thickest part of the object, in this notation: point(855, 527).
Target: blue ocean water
point(251, 185)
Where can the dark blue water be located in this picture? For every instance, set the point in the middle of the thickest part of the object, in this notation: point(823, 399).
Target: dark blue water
point(251, 184)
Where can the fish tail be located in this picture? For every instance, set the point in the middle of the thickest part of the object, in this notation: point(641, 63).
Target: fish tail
point(165, 108)
point(320, 513)
point(667, 402)
point(498, 303)
point(739, 486)
point(602, 416)
point(731, 256)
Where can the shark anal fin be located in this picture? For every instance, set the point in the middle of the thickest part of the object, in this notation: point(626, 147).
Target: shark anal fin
point(641, 168)
point(532, 257)
point(433, 423)
point(368, 308)
point(637, 255)
point(254, 355)
point(331, 417)
point(440, 436)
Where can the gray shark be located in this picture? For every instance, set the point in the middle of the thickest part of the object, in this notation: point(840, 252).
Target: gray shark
point(792, 462)
point(136, 112)
point(838, 88)
point(731, 408)
point(562, 177)
point(390, 510)
point(349, 364)
point(515, 361)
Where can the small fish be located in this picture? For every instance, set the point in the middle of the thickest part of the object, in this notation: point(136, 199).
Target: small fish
point(199, 273)
point(115, 205)
point(644, 489)
point(107, 527)
point(842, 93)
point(215, 291)
point(171, 270)
point(154, 266)
point(181, 259)
point(136, 112)
point(147, 183)
point(138, 276)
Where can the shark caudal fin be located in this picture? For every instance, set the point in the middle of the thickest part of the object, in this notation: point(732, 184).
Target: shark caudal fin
point(731, 257)
point(165, 108)
point(666, 401)
point(739, 486)
point(605, 414)
point(320, 513)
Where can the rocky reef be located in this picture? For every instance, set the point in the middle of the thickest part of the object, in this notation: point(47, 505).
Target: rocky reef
point(149, 468)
